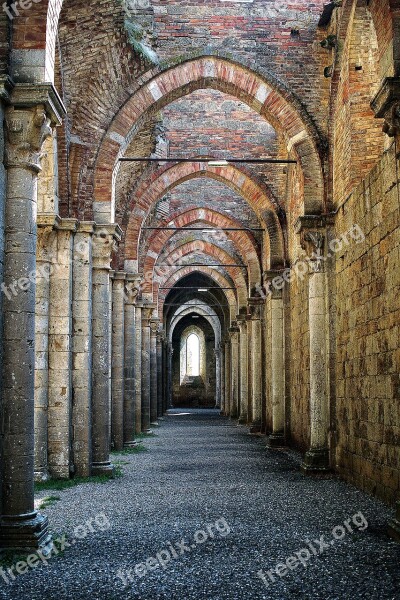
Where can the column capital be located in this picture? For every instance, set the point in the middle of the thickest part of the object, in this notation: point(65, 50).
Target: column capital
point(386, 105)
point(33, 111)
point(147, 311)
point(255, 306)
point(132, 287)
point(312, 230)
point(154, 325)
point(85, 227)
point(44, 220)
point(105, 239)
point(119, 276)
point(274, 282)
point(67, 225)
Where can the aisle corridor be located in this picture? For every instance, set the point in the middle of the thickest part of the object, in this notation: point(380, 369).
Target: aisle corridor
point(212, 494)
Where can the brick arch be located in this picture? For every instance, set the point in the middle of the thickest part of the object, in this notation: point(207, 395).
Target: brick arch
point(206, 312)
point(217, 278)
point(208, 249)
point(35, 31)
point(265, 94)
point(155, 189)
point(243, 241)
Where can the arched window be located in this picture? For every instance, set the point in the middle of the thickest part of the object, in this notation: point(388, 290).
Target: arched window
point(193, 355)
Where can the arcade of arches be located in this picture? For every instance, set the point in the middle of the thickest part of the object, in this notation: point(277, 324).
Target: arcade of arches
point(268, 290)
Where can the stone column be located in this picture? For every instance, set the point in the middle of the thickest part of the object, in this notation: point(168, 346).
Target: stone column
point(104, 240)
point(82, 349)
point(244, 370)
point(138, 368)
point(234, 404)
point(28, 122)
point(228, 378)
point(217, 352)
point(147, 312)
point(154, 323)
point(44, 256)
point(256, 309)
point(117, 361)
point(131, 293)
point(160, 410)
point(60, 354)
point(277, 354)
point(169, 352)
point(222, 377)
point(312, 230)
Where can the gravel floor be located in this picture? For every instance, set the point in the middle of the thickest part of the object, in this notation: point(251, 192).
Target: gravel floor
point(238, 507)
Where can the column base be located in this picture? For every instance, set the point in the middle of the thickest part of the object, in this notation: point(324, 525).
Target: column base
point(276, 440)
point(255, 428)
point(147, 431)
point(242, 420)
point(130, 444)
point(103, 468)
point(316, 460)
point(25, 532)
point(154, 424)
point(41, 476)
point(394, 525)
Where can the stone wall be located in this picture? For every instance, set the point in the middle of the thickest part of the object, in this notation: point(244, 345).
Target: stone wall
point(367, 329)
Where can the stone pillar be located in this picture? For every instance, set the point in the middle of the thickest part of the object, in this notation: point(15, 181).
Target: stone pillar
point(217, 353)
point(256, 309)
point(277, 354)
point(117, 361)
point(244, 370)
point(104, 240)
point(60, 354)
point(28, 122)
point(44, 256)
point(131, 293)
point(138, 368)
point(169, 353)
point(228, 378)
point(82, 349)
point(153, 372)
point(234, 404)
point(312, 230)
point(147, 311)
point(222, 377)
point(160, 409)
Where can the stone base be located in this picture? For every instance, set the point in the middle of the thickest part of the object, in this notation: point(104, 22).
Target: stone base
point(130, 444)
point(255, 428)
point(276, 440)
point(104, 468)
point(316, 460)
point(147, 431)
point(155, 424)
point(394, 525)
point(242, 421)
point(41, 476)
point(25, 532)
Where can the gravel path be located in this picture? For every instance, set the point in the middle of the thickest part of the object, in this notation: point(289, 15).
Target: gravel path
point(217, 508)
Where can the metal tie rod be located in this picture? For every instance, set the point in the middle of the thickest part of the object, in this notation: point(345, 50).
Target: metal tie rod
point(212, 161)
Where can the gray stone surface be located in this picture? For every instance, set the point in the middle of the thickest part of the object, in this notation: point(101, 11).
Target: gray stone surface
point(198, 469)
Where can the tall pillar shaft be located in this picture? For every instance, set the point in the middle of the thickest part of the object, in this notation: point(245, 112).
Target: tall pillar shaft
point(117, 361)
point(244, 370)
point(277, 437)
point(313, 240)
point(234, 332)
point(228, 378)
point(218, 377)
point(160, 409)
point(146, 376)
point(103, 247)
point(60, 354)
point(82, 290)
point(153, 372)
point(138, 368)
point(44, 256)
point(255, 341)
point(27, 128)
point(131, 294)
